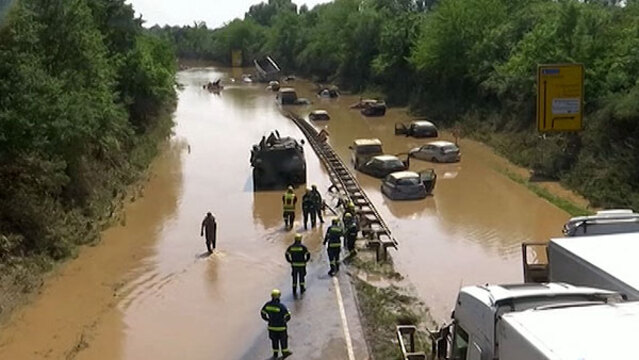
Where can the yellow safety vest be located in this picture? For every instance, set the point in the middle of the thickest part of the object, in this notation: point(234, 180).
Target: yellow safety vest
point(289, 204)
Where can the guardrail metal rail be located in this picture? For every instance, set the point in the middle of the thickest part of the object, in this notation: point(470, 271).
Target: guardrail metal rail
point(374, 228)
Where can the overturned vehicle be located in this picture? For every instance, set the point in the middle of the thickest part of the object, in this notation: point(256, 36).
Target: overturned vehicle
point(278, 162)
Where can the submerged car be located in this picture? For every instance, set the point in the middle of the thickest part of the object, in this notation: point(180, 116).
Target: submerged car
point(319, 115)
point(437, 151)
point(364, 149)
point(382, 165)
point(286, 96)
point(274, 85)
point(409, 185)
point(420, 128)
point(328, 93)
point(374, 109)
point(278, 162)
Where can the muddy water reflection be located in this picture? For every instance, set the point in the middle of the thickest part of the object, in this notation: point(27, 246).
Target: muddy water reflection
point(470, 231)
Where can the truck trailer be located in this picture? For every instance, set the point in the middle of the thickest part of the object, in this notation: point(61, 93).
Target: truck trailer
point(478, 330)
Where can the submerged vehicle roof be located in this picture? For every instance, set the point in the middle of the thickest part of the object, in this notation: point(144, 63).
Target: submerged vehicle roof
point(365, 142)
point(580, 332)
point(386, 158)
point(404, 175)
point(442, 143)
point(287, 89)
point(614, 254)
point(319, 112)
point(423, 123)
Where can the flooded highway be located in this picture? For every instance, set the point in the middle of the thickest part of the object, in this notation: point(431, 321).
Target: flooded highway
point(149, 290)
point(470, 232)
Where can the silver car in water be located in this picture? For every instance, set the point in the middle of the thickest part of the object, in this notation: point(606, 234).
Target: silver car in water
point(437, 151)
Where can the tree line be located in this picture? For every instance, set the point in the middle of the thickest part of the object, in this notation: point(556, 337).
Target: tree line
point(466, 62)
point(85, 97)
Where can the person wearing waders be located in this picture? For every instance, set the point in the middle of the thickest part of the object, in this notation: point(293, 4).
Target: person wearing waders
point(277, 315)
point(289, 199)
point(351, 228)
point(333, 238)
point(308, 208)
point(209, 225)
point(318, 202)
point(298, 255)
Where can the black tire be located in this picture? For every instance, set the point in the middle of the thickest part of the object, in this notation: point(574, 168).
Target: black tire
point(434, 159)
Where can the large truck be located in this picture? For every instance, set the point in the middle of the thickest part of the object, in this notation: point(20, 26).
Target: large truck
point(533, 321)
point(612, 221)
point(603, 261)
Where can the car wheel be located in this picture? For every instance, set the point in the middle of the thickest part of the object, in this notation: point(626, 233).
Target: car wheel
point(434, 159)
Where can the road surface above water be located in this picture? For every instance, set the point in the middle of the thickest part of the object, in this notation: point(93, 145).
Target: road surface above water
point(148, 290)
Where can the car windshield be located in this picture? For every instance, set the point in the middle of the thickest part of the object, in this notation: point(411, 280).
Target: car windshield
point(369, 149)
point(393, 164)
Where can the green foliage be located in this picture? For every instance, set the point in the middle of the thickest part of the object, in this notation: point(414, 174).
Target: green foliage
point(83, 85)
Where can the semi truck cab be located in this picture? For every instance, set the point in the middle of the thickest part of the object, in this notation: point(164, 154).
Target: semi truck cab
point(472, 333)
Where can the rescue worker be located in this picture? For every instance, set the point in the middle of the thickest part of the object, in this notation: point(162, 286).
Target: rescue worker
point(277, 315)
point(318, 202)
point(210, 225)
point(289, 200)
point(350, 208)
point(351, 228)
point(298, 255)
point(308, 209)
point(333, 238)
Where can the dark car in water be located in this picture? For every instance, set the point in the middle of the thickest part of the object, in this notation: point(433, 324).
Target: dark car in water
point(278, 162)
point(409, 185)
point(382, 165)
point(419, 128)
point(374, 109)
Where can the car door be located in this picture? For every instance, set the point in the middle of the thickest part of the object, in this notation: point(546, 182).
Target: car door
point(400, 129)
point(429, 179)
point(425, 152)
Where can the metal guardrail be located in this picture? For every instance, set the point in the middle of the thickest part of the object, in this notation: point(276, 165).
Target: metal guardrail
point(407, 332)
point(373, 226)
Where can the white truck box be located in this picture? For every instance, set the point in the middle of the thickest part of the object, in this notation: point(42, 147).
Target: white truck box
point(594, 332)
point(608, 262)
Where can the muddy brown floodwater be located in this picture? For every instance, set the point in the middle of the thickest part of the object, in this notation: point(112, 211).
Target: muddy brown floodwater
point(470, 232)
point(148, 290)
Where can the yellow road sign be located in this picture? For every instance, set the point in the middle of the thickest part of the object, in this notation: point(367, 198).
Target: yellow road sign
point(560, 97)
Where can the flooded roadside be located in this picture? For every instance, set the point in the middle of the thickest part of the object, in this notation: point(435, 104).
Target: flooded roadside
point(469, 232)
point(148, 290)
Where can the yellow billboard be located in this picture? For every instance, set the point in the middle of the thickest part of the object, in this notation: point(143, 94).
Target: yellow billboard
point(236, 58)
point(560, 97)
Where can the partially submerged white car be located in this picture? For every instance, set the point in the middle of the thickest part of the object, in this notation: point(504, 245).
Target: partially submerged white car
point(319, 115)
point(437, 151)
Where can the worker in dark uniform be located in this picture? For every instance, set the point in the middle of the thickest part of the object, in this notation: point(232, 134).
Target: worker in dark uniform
point(210, 226)
point(351, 228)
point(298, 255)
point(333, 238)
point(277, 315)
point(289, 200)
point(308, 209)
point(319, 203)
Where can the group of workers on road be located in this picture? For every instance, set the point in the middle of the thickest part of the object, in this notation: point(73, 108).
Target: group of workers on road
point(312, 207)
point(297, 254)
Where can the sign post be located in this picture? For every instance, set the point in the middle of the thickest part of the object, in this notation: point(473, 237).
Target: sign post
point(560, 97)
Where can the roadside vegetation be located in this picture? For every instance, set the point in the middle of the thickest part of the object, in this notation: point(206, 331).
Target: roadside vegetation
point(466, 62)
point(86, 97)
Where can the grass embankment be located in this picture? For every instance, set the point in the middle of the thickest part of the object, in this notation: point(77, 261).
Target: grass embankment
point(23, 274)
point(383, 304)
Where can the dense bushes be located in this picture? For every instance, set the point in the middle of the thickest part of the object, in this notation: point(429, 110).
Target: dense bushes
point(82, 87)
point(471, 62)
